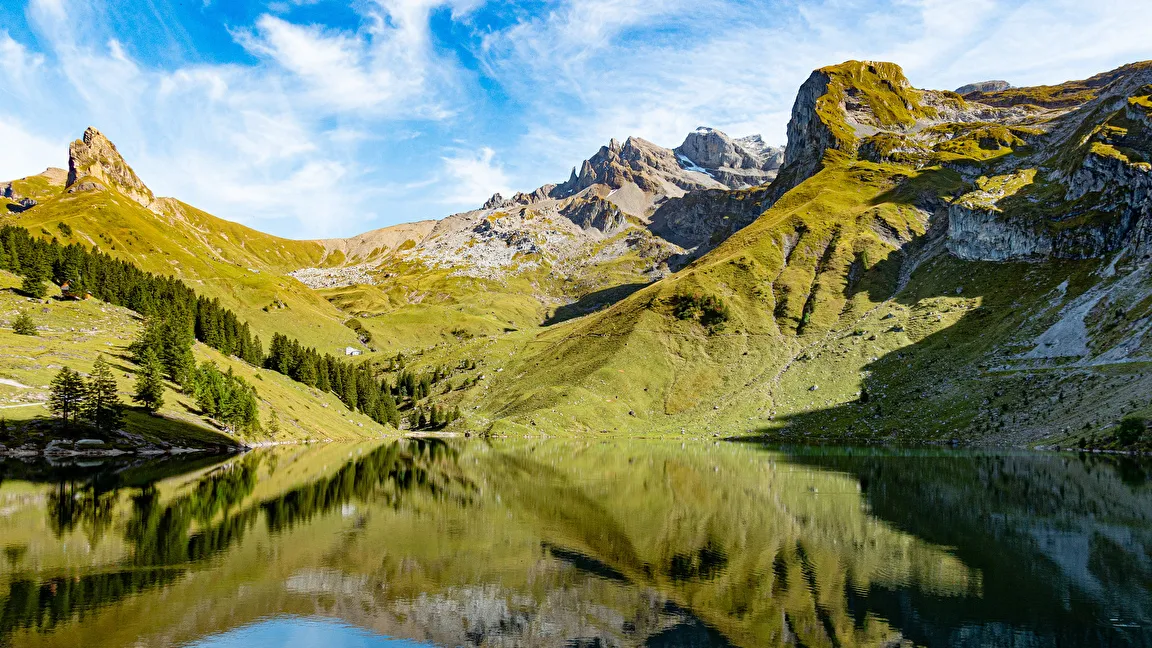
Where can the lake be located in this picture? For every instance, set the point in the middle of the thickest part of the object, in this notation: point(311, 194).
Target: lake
point(565, 543)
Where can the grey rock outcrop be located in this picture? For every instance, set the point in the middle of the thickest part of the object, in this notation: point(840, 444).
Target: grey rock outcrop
point(984, 86)
point(736, 163)
point(809, 137)
point(95, 160)
point(595, 213)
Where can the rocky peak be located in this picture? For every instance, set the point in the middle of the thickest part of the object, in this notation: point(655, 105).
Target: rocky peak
point(713, 149)
point(654, 169)
point(736, 163)
point(770, 157)
point(984, 86)
point(841, 104)
point(94, 160)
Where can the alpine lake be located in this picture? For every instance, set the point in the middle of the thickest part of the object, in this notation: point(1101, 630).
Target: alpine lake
point(465, 542)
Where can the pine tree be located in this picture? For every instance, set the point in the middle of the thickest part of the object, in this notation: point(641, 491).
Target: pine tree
point(102, 407)
point(33, 285)
point(23, 325)
point(274, 424)
point(67, 395)
point(390, 414)
point(150, 384)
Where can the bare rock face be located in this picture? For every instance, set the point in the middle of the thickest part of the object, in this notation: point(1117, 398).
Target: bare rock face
point(712, 149)
point(95, 161)
point(735, 163)
point(653, 168)
point(595, 213)
point(984, 86)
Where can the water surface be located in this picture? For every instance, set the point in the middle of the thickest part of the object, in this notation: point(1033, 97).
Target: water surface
point(558, 543)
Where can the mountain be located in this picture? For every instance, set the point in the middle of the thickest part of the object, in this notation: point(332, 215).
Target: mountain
point(914, 265)
point(983, 86)
point(101, 202)
point(926, 266)
point(549, 254)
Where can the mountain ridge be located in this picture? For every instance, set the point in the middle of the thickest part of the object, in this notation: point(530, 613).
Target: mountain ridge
point(922, 265)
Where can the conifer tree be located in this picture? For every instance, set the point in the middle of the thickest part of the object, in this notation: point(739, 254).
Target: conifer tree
point(33, 285)
point(273, 424)
point(102, 407)
point(390, 413)
point(23, 324)
point(150, 384)
point(67, 395)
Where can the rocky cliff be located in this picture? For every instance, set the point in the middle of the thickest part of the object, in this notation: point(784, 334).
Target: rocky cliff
point(735, 163)
point(94, 161)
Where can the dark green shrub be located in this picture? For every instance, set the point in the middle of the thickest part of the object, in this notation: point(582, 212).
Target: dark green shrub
point(709, 310)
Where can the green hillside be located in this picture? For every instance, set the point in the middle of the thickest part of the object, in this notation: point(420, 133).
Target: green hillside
point(927, 267)
point(74, 333)
point(244, 268)
point(840, 311)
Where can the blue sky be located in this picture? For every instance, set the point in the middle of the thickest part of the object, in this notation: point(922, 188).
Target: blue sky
point(317, 118)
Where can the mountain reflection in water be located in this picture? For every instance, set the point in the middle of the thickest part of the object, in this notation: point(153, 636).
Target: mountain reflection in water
point(558, 543)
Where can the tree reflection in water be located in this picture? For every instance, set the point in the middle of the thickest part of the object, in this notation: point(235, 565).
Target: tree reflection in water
point(623, 543)
point(168, 537)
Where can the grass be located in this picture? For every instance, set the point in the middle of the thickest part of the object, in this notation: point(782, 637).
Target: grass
point(241, 267)
point(74, 333)
point(826, 328)
point(1060, 96)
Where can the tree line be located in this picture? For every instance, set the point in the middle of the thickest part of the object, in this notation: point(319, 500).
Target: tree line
point(175, 317)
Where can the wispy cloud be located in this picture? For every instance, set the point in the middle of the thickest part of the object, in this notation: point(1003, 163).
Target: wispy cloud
point(657, 70)
point(407, 109)
point(24, 151)
point(471, 177)
point(279, 145)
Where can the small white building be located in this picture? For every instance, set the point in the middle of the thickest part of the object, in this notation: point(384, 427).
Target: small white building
point(351, 351)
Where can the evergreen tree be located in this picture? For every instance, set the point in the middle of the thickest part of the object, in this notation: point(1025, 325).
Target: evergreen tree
point(150, 384)
point(23, 324)
point(349, 393)
point(226, 397)
point(322, 381)
point(274, 424)
point(390, 413)
point(33, 286)
point(67, 395)
point(102, 407)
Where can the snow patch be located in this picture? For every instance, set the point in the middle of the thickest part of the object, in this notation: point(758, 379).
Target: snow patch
point(689, 165)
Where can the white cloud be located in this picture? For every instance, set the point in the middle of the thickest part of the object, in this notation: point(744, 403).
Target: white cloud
point(471, 177)
point(337, 70)
point(333, 130)
point(658, 70)
point(16, 62)
point(281, 145)
point(26, 153)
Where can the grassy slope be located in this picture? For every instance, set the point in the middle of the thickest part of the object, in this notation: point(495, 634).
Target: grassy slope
point(74, 333)
point(242, 267)
point(816, 320)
